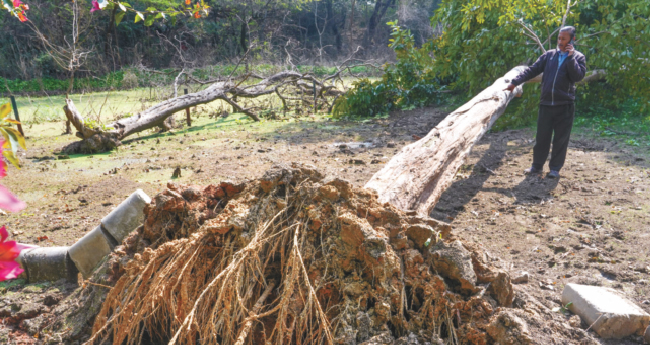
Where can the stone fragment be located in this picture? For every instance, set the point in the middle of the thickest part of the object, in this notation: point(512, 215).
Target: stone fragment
point(51, 299)
point(453, 261)
point(608, 314)
point(363, 326)
point(522, 278)
point(28, 311)
point(501, 289)
point(329, 192)
point(33, 326)
point(575, 321)
point(420, 234)
point(506, 328)
point(380, 339)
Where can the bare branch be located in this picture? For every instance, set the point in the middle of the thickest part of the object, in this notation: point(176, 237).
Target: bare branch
point(532, 35)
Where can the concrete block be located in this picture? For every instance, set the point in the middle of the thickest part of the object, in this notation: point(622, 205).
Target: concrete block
point(127, 216)
point(89, 251)
point(610, 315)
point(47, 264)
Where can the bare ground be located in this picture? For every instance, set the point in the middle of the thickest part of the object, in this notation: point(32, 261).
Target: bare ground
point(592, 226)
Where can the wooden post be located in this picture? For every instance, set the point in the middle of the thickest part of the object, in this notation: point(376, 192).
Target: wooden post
point(314, 85)
point(13, 105)
point(187, 112)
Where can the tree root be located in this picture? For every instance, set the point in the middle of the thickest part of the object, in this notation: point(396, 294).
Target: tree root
point(290, 259)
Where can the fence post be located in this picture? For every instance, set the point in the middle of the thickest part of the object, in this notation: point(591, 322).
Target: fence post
point(13, 105)
point(187, 113)
point(314, 85)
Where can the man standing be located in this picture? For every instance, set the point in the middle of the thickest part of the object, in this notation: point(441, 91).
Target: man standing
point(563, 68)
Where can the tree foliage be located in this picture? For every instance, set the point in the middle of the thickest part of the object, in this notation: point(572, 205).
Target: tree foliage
point(287, 32)
point(481, 40)
point(410, 82)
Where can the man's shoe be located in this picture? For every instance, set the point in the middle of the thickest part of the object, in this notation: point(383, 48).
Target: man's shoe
point(553, 174)
point(532, 170)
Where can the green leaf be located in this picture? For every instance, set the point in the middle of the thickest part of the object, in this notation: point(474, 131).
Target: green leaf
point(17, 137)
point(118, 18)
point(10, 141)
point(5, 109)
point(138, 17)
point(11, 158)
point(122, 7)
point(149, 20)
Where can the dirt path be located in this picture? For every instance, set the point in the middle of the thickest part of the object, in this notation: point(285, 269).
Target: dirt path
point(591, 227)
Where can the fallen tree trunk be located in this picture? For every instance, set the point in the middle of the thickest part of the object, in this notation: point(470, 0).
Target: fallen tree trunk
point(416, 177)
point(227, 91)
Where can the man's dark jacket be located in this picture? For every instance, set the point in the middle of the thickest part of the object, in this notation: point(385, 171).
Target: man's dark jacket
point(558, 85)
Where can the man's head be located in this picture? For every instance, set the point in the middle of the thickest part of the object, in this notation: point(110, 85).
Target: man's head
point(567, 33)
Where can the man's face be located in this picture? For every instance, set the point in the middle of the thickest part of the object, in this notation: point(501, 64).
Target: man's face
point(563, 40)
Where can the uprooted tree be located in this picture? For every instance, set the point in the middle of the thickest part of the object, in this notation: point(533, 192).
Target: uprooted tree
point(291, 258)
point(295, 258)
point(287, 86)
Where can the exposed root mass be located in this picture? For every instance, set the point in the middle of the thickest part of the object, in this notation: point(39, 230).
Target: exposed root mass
point(296, 259)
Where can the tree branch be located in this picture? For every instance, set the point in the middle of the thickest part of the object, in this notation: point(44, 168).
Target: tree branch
point(532, 35)
point(566, 13)
point(589, 77)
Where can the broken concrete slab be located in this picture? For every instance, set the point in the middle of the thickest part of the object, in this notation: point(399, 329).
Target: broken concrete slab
point(90, 250)
point(47, 264)
point(127, 216)
point(610, 315)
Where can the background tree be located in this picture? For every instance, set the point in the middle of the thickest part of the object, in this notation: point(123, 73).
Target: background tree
point(306, 32)
point(483, 39)
point(478, 41)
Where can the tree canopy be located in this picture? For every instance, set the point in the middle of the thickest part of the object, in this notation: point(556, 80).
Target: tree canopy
point(480, 40)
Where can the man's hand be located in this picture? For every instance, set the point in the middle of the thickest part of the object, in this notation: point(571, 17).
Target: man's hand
point(510, 87)
point(570, 49)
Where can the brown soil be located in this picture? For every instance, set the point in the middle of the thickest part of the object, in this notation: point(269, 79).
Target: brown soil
point(590, 227)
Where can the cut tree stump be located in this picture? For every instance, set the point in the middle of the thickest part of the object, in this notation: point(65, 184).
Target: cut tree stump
point(416, 177)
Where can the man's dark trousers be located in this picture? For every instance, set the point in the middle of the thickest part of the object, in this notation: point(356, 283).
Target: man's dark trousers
point(553, 121)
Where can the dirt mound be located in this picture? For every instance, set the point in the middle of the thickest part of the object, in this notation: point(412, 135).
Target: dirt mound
point(294, 258)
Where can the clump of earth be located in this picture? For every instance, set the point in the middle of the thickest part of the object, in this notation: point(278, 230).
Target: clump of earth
point(295, 258)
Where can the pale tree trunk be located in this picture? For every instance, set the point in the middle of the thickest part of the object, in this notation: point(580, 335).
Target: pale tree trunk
point(416, 177)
